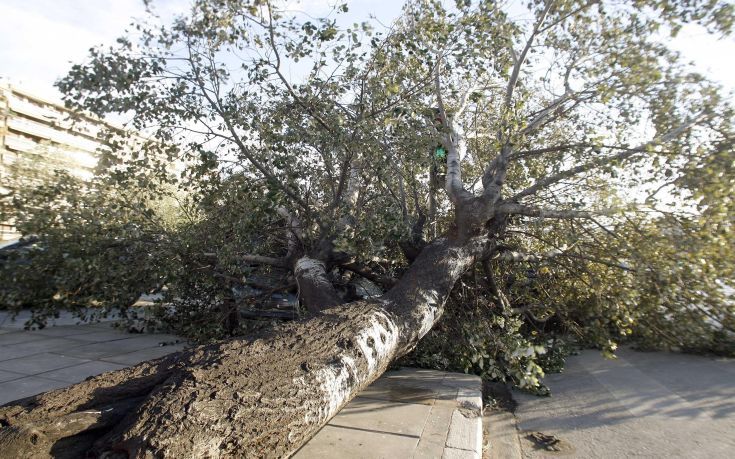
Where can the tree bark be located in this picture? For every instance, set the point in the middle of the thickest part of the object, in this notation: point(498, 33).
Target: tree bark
point(241, 398)
point(316, 291)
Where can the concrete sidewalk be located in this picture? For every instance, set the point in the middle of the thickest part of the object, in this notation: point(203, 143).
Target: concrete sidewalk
point(36, 361)
point(408, 413)
point(653, 405)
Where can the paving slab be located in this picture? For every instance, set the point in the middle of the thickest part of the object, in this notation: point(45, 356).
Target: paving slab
point(72, 374)
point(9, 375)
point(39, 363)
point(39, 360)
point(638, 405)
point(27, 386)
point(406, 413)
point(16, 337)
point(70, 330)
point(406, 419)
point(38, 345)
point(340, 442)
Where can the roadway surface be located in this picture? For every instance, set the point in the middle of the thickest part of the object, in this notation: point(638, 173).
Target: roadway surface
point(642, 405)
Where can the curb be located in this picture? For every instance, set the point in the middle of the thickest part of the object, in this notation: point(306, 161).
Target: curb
point(464, 438)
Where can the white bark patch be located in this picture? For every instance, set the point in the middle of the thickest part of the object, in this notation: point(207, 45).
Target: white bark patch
point(428, 319)
point(309, 268)
point(379, 341)
point(338, 381)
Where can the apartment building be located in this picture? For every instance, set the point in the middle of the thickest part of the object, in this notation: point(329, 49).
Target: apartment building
point(39, 135)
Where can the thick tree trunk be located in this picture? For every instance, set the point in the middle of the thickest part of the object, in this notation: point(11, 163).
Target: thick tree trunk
point(316, 292)
point(238, 398)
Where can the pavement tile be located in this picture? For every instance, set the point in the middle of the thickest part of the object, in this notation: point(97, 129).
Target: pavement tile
point(462, 381)
point(25, 387)
point(465, 431)
point(340, 442)
point(393, 390)
point(111, 348)
point(40, 363)
point(456, 453)
point(9, 375)
point(434, 434)
point(415, 377)
point(133, 358)
point(82, 371)
point(37, 346)
point(65, 330)
point(383, 416)
point(103, 335)
point(409, 403)
point(15, 337)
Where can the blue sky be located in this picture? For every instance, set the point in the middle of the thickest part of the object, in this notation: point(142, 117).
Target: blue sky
point(40, 38)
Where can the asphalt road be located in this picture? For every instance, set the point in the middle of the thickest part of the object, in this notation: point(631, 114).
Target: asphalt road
point(652, 405)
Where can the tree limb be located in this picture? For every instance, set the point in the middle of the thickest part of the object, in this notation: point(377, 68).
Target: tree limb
point(454, 142)
point(522, 58)
point(622, 155)
point(519, 209)
point(383, 281)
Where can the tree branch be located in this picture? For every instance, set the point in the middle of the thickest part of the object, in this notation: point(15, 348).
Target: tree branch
point(453, 142)
point(383, 281)
point(511, 208)
point(522, 58)
point(236, 138)
point(622, 155)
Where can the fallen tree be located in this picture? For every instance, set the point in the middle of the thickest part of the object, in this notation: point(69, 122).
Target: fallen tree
point(240, 397)
point(342, 173)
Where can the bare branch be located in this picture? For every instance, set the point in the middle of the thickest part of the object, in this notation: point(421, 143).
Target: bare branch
point(464, 101)
point(277, 68)
point(554, 109)
point(622, 155)
point(215, 105)
point(518, 209)
point(522, 58)
point(262, 260)
point(454, 142)
point(568, 15)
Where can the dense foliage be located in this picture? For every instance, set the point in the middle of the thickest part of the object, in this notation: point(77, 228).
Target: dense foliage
point(619, 181)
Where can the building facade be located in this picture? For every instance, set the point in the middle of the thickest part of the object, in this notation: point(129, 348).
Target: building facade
point(37, 136)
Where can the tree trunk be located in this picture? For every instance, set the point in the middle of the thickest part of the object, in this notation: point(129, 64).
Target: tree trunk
point(240, 398)
point(316, 292)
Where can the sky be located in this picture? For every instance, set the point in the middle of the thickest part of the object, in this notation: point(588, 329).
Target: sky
point(40, 39)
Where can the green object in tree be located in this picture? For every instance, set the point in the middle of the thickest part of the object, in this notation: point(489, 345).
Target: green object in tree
point(440, 153)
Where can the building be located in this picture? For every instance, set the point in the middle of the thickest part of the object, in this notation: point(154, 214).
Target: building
point(39, 135)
